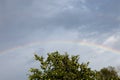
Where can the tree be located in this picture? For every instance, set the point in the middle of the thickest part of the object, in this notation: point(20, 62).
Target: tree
point(64, 67)
point(61, 67)
point(108, 73)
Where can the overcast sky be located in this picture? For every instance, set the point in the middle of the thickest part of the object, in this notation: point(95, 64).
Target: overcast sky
point(28, 26)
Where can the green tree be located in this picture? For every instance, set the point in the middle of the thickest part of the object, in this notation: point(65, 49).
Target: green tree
point(64, 67)
point(108, 73)
point(61, 67)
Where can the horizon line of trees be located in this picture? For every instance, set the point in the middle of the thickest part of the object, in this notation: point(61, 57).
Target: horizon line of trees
point(64, 67)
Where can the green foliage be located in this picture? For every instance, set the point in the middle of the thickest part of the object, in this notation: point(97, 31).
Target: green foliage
point(64, 67)
point(108, 74)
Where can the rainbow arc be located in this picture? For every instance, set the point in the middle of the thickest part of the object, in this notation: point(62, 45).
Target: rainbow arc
point(81, 43)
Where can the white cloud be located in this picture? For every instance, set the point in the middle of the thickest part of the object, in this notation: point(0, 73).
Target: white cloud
point(113, 40)
point(110, 41)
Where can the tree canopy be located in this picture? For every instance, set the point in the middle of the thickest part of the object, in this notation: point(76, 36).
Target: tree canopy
point(64, 67)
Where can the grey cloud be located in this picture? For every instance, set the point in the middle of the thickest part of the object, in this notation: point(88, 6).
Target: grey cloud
point(106, 6)
point(75, 17)
point(26, 21)
point(25, 17)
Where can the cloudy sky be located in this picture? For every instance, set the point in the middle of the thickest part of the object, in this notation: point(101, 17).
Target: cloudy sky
point(43, 26)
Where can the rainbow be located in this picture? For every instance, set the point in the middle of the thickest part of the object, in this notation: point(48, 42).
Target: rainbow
point(81, 43)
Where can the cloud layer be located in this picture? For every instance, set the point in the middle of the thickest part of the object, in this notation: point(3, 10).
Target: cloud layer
point(29, 21)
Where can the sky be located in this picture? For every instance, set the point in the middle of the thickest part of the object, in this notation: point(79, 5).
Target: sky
point(89, 28)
